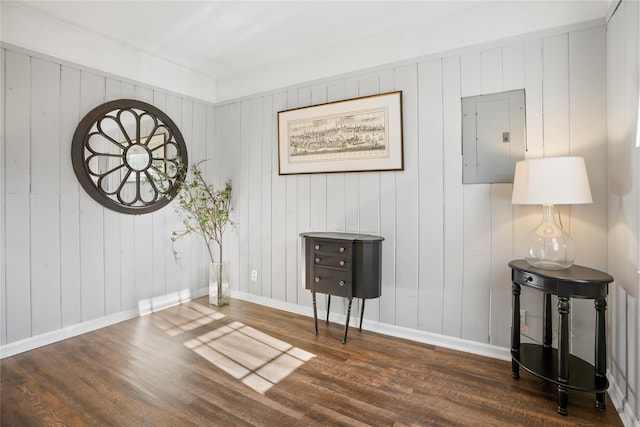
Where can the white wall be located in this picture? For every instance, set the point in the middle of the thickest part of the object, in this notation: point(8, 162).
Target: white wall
point(623, 86)
point(446, 245)
point(70, 265)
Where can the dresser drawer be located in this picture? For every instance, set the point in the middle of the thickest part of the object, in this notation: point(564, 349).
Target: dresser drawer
point(330, 260)
point(331, 248)
point(331, 281)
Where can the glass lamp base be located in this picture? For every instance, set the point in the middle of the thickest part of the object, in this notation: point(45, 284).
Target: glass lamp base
point(549, 247)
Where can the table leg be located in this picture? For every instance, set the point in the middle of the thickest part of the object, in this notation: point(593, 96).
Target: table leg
point(601, 351)
point(328, 306)
point(315, 311)
point(361, 313)
point(563, 354)
point(346, 325)
point(547, 338)
point(515, 331)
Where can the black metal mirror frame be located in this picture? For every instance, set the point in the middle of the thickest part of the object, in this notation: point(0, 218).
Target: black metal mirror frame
point(160, 191)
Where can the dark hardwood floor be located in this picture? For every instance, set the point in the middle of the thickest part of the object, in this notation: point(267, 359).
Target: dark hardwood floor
point(245, 364)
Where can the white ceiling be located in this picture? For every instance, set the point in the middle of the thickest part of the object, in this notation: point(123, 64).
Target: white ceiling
point(219, 38)
point(218, 50)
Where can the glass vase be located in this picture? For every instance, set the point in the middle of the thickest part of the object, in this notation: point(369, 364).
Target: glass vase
point(219, 283)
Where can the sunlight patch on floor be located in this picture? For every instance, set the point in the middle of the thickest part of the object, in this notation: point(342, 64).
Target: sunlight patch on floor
point(257, 359)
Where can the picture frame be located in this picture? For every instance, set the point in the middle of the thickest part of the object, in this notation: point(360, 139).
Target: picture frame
point(354, 135)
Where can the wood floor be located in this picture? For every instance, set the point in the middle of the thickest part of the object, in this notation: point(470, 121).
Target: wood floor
point(245, 364)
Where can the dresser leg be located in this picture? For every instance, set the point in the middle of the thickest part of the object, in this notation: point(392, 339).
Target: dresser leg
point(361, 313)
point(563, 354)
point(346, 325)
point(315, 311)
point(328, 306)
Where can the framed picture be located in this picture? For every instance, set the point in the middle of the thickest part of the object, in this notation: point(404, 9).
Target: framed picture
point(362, 134)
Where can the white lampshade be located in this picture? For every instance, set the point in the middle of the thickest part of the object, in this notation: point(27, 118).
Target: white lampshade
point(551, 181)
point(548, 182)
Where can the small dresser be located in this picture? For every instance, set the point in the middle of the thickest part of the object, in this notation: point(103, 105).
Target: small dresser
point(342, 264)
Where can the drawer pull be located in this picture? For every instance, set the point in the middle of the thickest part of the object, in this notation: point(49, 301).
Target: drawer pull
point(317, 279)
point(528, 278)
point(341, 283)
point(317, 247)
point(341, 263)
point(317, 260)
point(341, 249)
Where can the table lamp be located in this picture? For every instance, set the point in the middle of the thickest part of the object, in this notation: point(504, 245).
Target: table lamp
point(548, 182)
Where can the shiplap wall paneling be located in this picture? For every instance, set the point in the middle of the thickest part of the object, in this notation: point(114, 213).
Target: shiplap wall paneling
point(92, 91)
point(254, 164)
point(160, 240)
point(303, 200)
point(502, 218)
point(177, 275)
point(3, 249)
point(525, 217)
point(383, 82)
point(294, 283)
point(266, 197)
point(278, 242)
point(17, 186)
point(431, 202)
point(588, 127)
point(407, 204)
point(476, 204)
point(453, 197)
point(624, 222)
point(244, 227)
point(45, 187)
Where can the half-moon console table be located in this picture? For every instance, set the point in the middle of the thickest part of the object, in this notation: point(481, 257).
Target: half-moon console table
point(559, 366)
point(345, 265)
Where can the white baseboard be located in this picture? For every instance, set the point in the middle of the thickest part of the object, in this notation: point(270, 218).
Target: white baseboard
point(466, 346)
point(144, 307)
point(625, 411)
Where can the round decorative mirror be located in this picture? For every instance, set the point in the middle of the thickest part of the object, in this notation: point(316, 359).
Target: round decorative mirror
point(129, 156)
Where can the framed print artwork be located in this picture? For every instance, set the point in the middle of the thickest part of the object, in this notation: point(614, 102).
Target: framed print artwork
point(355, 135)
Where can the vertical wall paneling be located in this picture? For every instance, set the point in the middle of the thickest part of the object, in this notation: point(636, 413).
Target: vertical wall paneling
point(407, 204)
point(92, 87)
point(623, 87)
point(231, 169)
point(71, 260)
point(533, 79)
point(293, 282)
point(17, 185)
point(479, 73)
point(244, 182)
point(431, 202)
point(303, 199)
point(268, 124)
point(278, 249)
point(44, 227)
point(3, 249)
point(161, 249)
point(453, 197)
point(69, 200)
point(587, 83)
point(556, 95)
point(255, 193)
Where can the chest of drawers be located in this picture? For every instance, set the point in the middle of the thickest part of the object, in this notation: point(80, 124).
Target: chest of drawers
point(342, 264)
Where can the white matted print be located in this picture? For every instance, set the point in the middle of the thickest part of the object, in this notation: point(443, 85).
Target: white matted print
point(362, 134)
